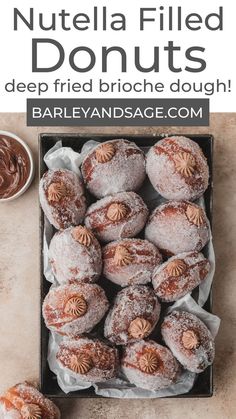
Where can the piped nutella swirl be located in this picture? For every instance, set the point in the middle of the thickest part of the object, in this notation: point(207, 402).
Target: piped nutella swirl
point(14, 166)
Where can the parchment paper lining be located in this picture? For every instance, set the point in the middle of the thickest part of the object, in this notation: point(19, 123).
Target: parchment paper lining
point(65, 157)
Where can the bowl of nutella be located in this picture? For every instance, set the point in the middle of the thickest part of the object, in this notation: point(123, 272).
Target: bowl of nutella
point(16, 166)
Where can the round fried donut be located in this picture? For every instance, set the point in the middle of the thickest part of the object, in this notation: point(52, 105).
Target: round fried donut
point(177, 168)
point(114, 166)
point(133, 316)
point(177, 227)
point(73, 309)
point(117, 216)
point(149, 365)
point(61, 194)
point(179, 275)
point(75, 255)
point(130, 261)
point(24, 401)
point(88, 359)
point(189, 340)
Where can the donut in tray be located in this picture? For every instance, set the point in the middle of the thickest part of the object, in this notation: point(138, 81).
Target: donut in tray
point(61, 194)
point(177, 227)
point(130, 261)
point(179, 275)
point(24, 401)
point(134, 315)
point(114, 166)
point(87, 359)
point(178, 169)
point(73, 309)
point(118, 216)
point(189, 340)
point(148, 365)
point(75, 255)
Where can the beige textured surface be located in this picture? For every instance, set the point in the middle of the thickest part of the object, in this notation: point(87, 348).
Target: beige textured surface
point(19, 286)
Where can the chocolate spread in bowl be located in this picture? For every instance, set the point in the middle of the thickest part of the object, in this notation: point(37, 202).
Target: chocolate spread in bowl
point(14, 166)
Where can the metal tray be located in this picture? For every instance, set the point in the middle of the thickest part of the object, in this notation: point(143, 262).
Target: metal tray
point(203, 386)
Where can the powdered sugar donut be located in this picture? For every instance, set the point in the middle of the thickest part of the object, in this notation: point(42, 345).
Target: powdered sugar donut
point(134, 315)
point(179, 275)
point(114, 166)
point(75, 255)
point(24, 401)
point(61, 194)
point(177, 227)
point(117, 216)
point(189, 340)
point(130, 261)
point(177, 168)
point(73, 309)
point(87, 359)
point(148, 365)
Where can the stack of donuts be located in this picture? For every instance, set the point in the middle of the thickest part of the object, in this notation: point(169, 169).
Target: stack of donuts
point(148, 258)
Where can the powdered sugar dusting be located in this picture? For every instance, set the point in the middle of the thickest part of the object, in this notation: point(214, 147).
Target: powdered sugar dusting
point(23, 394)
point(70, 210)
point(166, 373)
point(104, 358)
point(58, 321)
point(164, 176)
point(108, 230)
point(7, 410)
point(171, 231)
point(130, 303)
point(145, 257)
point(170, 288)
point(72, 261)
point(195, 359)
point(124, 172)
